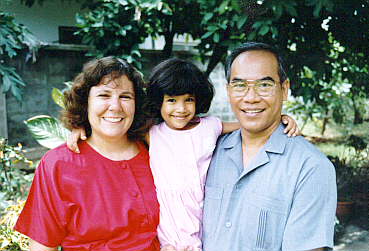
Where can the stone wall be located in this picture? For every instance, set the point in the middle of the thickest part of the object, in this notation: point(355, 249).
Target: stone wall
point(58, 64)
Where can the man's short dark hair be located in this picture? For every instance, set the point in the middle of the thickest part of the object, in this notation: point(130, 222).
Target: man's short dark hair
point(255, 46)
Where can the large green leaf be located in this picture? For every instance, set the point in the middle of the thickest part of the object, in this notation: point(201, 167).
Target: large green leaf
point(58, 97)
point(48, 131)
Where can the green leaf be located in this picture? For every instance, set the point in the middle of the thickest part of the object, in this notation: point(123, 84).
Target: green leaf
point(6, 83)
point(216, 37)
point(208, 16)
point(241, 21)
point(264, 30)
point(58, 97)
point(47, 130)
point(223, 7)
point(207, 34)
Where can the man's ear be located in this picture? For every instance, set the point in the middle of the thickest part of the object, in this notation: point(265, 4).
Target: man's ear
point(285, 87)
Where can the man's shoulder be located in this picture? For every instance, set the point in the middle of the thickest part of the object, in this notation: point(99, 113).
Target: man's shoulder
point(229, 139)
point(300, 144)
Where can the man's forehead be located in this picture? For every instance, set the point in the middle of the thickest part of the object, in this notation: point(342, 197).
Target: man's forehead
point(255, 64)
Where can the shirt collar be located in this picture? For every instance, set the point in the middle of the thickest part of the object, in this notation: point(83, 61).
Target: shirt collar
point(276, 143)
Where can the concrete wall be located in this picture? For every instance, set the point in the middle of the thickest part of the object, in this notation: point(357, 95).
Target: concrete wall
point(43, 21)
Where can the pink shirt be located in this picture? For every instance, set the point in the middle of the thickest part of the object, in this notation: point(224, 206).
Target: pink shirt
point(179, 162)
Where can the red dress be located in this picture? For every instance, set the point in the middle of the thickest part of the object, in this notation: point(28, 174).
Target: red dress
point(88, 202)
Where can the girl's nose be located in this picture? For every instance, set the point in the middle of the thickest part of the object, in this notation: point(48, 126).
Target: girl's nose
point(180, 107)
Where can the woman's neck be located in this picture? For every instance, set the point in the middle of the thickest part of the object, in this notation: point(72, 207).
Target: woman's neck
point(114, 149)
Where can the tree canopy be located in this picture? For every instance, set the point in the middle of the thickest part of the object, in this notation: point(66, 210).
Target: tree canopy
point(324, 41)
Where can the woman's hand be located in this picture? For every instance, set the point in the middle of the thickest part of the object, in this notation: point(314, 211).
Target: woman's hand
point(72, 141)
point(291, 126)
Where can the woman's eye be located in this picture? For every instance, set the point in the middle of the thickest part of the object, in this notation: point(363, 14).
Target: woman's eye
point(103, 95)
point(190, 100)
point(171, 100)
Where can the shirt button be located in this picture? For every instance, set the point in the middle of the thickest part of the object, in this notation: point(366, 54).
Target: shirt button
point(228, 224)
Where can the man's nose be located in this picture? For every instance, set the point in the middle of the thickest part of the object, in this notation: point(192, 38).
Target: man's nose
point(251, 95)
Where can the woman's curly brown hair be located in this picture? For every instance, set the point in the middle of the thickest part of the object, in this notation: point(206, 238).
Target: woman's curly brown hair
point(75, 114)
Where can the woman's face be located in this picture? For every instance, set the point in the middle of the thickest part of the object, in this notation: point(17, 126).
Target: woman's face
point(111, 108)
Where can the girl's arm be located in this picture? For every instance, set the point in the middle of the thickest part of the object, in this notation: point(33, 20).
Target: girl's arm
point(291, 126)
point(72, 140)
point(36, 246)
point(228, 127)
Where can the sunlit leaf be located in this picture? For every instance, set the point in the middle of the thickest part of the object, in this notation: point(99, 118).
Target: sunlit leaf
point(47, 130)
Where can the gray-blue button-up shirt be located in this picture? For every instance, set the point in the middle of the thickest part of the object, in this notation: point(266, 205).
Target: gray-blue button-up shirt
point(284, 200)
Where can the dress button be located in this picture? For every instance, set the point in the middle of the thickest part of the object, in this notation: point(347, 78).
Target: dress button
point(124, 166)
point(228, 224)
point(134, 194)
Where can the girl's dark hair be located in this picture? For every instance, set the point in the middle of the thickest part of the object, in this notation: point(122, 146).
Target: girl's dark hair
point(176, 77)
point(75, 114)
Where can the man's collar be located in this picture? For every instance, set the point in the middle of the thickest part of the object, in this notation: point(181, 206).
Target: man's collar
point(276, 143)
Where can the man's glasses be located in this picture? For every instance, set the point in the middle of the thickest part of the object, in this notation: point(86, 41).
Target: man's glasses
point(262, 87)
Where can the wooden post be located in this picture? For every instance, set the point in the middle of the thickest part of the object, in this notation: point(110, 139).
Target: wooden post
point(3, 119)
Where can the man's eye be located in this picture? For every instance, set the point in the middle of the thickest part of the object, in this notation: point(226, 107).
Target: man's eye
point(239, 85)
point(265, 84)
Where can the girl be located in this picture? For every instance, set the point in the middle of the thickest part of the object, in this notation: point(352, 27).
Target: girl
point(180, 147)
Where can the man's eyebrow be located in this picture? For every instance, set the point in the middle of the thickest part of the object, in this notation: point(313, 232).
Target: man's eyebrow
point(265, 78)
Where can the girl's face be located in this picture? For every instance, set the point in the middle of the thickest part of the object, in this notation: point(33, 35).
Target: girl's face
point(178, 111)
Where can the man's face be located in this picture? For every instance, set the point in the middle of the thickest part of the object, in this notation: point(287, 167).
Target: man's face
point(258, 115)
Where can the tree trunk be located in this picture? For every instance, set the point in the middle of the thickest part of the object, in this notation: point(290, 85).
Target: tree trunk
point(218, 54)
point(168, 47)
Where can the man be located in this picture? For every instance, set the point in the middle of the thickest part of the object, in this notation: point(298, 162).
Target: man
point(264, 190)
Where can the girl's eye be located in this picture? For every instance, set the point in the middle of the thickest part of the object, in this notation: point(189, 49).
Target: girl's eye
point(191, 99)
point(171, 100)
point(126, 97)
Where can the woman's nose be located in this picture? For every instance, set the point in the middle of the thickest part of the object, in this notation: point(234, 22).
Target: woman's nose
point(114, 104)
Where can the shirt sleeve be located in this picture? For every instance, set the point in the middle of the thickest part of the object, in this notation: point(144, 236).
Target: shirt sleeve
point(310, 224)
point(43, 216)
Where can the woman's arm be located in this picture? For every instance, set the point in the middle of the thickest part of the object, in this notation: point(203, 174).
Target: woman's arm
point(36, 246)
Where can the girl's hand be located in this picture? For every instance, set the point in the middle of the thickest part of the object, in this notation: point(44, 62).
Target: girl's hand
point(291, 126)
point(72, 141)
point(168, 248)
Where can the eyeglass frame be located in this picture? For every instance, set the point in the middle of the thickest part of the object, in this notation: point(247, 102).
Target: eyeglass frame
point(246, 82)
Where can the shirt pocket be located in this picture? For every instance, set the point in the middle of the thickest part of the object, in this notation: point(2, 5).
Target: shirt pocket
point(265, 222)
point(212, 209)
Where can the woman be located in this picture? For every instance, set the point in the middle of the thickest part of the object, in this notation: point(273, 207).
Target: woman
point(103, 198)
